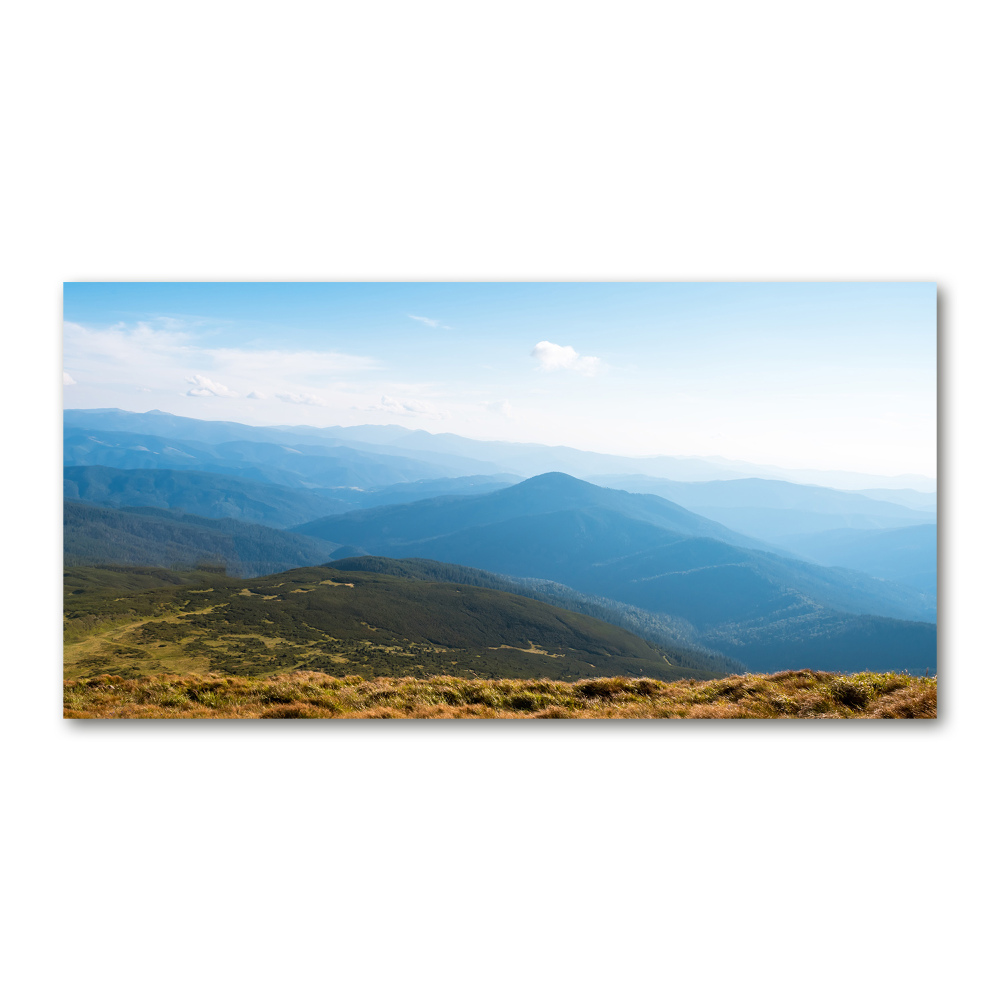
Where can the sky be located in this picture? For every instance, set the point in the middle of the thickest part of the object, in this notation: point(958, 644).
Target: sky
point(799, 375)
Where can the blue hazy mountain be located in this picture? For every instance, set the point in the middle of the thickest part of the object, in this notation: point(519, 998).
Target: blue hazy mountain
point(152, 537)
point(426, 489)
point(905, 555)
point(918, 500)
point(648, 553)
point(214, 495)
point(772, 510)
point(309, 440)
point(305, 465)
point(548, 493)
point(458, 456)
point(167, 425)
point(205, 494)
point(739, 592)
point(554, 524)
point(535, 459)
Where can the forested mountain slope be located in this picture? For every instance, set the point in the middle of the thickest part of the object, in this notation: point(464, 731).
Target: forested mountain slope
point(758, 607)
point(151, 537)
point(204, 494)
point(347, 623)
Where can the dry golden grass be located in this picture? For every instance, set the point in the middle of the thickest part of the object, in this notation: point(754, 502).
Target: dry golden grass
point(301, 695)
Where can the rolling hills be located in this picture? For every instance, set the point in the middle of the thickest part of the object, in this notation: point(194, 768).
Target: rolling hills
point(672, 634)
point(344, 622)
point(755, 606)
point(204, 494)
point(153, 537)
point(306, 465)
point(772, 510)
point(725, 568)
point(905, 555)
point(596, 540)
point(553, 492)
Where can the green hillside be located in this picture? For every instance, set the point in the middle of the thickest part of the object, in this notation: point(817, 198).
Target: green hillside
point(674, 635)
point(343, 623)
point(151, 537)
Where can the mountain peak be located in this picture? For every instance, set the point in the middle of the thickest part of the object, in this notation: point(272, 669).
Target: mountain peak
point(555, 479)
point(558, 483)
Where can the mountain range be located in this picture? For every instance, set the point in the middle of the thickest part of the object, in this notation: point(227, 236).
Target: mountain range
point(770, 573)
point(205, 494)
point(453, 455)
point(645, 552)
point(148, 536)
point(774, 510)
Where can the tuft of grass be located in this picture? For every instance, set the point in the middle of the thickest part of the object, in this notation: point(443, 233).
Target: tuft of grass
point(309, 695)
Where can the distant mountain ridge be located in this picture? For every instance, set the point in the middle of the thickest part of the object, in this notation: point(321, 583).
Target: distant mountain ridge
point(718, 561)
point(748, 603)
point(203, 494)
point(907, 555)
point(544, 494)
point(154, 537)
point(772, 510)
point(308, 466)
point(457, 456)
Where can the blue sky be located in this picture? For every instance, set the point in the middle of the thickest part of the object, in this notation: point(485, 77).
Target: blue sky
point(825, 375)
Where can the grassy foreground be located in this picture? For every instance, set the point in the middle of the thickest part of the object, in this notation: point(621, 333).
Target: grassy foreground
point(308, 695)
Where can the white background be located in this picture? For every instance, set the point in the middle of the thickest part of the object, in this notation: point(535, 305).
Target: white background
point(534, 140)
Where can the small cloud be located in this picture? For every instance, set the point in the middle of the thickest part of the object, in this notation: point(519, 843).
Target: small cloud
point(501, 406)
point(409, 408)
point(206, 387)
point(68, 379)
point(301, 398)
point(553, 357)
point(427, 321)
point(256, 395)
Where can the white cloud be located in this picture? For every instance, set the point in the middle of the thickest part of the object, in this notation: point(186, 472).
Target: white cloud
point(501, 406)
point(110, 360)
point(288, 364)
point(206, 387)
point(302, 398)
point(553, 357)
point(427, 321)
point(408, 408)
point(145, 348)
point(68, 379)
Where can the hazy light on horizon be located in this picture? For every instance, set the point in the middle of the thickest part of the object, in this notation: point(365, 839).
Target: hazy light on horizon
point(822, 376)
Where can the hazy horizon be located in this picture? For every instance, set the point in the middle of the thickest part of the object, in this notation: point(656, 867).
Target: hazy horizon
point(714, 458)
point(830, 377)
